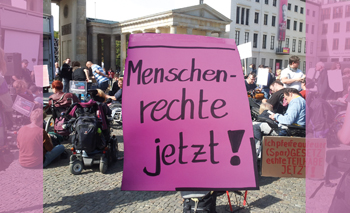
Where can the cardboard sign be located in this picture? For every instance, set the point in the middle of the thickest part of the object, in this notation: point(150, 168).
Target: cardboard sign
point(245, 50)
point(23, 106)
point(315, 157)
point(263, 76)
point(183, 128)
point(335, 80)
point(78, 87)
point(41, 74)
point(283, 157)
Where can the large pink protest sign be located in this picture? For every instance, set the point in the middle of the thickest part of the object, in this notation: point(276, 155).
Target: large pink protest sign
point(186, 115)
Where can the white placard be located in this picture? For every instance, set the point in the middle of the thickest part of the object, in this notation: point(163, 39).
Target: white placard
point(263, 76)
point(78, 87)
point(23, 106)
point(310, 73)
point(335, 80)
point(245, 50)
point(41, 74)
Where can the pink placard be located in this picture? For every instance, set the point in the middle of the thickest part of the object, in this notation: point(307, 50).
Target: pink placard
point(186, 115)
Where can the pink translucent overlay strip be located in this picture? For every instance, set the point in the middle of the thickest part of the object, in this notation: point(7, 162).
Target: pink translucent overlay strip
point(328, 112)
point(21, 155)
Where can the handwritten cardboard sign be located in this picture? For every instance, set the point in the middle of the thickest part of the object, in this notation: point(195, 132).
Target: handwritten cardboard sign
point(23, 106)
point(293, 157)
point(315, 157)
point(183, 126)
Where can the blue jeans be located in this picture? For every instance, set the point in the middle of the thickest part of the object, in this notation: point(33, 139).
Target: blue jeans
point(266, 92)
point(65, 82)
point(103, 86)
point(53, 154)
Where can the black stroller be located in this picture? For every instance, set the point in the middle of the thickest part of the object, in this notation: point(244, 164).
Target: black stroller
point(92, 143)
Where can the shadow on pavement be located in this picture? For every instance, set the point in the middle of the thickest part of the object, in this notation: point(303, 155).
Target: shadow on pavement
point(267, 180)
point(265, 201)
point(105, 201)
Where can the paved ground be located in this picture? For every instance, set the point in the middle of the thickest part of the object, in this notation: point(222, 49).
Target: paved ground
point(95, 192)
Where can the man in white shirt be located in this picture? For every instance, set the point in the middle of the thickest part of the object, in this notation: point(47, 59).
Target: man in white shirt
point(291, 76)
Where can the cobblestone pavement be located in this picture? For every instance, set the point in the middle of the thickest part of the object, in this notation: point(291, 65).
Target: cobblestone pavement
point(93, 191)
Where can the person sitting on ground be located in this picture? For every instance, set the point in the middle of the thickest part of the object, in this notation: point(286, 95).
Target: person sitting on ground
point(35, 146)
point(60, 98)
point(277, 91)
point(118, 95)
point(295, 115)
point(20, 87)
point(115, 86)
point(250, 82)
point(38, 96)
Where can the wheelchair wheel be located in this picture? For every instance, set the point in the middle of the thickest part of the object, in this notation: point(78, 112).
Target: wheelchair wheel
point(114, 150)
point(76, 167)
point(50, 125)
point(103, 165)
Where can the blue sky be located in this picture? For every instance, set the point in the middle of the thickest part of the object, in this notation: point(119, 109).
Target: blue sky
point(121, 10)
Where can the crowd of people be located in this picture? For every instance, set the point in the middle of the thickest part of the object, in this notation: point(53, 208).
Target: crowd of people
point(285, 95)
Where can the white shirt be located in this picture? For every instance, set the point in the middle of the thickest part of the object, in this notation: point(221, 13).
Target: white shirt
point(289, 74)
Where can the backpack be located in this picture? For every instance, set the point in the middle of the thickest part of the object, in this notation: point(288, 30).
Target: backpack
point(86, 134)
point(199, 202)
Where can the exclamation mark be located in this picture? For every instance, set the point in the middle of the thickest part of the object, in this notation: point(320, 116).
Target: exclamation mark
point(235, 140)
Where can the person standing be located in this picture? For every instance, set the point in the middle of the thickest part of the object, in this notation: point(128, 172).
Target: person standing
point(100, 76)
point(110, 75)
point(66, 75)
point(291, 77)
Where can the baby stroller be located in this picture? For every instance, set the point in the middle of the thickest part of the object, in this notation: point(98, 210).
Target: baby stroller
point(92, 143)
point(57, 119)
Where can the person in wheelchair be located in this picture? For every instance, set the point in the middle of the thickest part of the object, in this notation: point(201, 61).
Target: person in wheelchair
point(276, 98)
point(59, 98)
point(295, 115)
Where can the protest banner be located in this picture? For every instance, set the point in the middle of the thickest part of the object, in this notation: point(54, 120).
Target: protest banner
point(41, 76)
point(293, 157)
point(78, 87)
point(183, 126)
point(23, 106)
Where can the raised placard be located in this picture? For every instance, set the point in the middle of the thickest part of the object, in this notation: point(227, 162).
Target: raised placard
point(186, 118)
point(78, 87)
point(23, 106)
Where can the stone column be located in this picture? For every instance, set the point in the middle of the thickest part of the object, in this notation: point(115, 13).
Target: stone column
point(221, 34)
point(94, 48)
point(173, 29)
point(157, 30)
point(113, 52)
point(189, 30)
point(47, 7)
point(107, 51)
point(122, 52)
point(80, 32)
point(208, 33)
